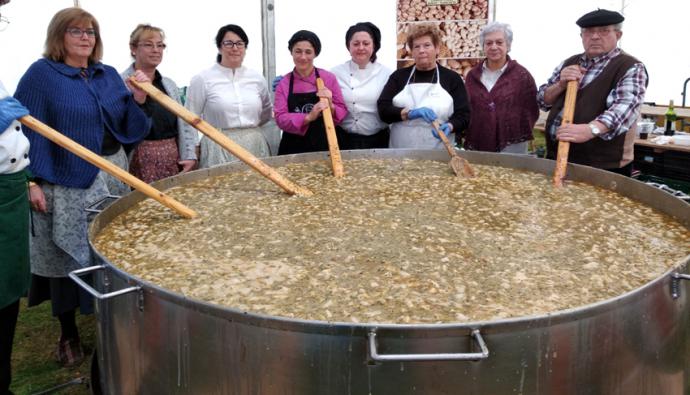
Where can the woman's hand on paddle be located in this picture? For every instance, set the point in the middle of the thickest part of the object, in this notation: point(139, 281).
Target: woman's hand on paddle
point(139, 95)
point(316, 111)
point(446, 128)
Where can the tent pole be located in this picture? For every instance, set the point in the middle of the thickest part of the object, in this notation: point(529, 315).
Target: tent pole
point(268, 39)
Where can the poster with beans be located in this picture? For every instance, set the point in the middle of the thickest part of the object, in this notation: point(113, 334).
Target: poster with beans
point(459, 23)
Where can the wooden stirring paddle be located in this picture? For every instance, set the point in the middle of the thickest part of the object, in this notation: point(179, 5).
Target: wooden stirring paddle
point(460, 166)
point(103, 164)
point(564, 146)
point(212, 133)
point(336, 161)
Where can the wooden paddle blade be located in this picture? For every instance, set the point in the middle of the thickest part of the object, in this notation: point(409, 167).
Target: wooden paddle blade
point(461, 167)
point(561, 163)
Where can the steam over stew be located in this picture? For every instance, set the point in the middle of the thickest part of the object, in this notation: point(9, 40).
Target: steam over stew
point(396, 241)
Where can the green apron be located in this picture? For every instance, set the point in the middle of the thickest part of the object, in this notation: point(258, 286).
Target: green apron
point(14, 237)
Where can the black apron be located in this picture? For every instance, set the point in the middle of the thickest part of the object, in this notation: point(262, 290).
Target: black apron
point(315, 138)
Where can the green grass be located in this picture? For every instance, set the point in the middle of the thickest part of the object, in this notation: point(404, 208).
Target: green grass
point(539, 139)
point(34, 368)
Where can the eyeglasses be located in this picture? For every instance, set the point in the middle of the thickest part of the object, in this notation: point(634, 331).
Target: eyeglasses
point(4, 22)
point(78, 33)
point(230, 44)
point(426, 46)
point(601, 31)
point(150, 46)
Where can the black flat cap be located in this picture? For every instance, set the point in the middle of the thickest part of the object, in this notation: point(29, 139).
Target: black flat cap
point(600, 18)
point(306, 35)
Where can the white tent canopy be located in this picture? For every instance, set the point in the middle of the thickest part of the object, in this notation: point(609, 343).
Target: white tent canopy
point(545, 33)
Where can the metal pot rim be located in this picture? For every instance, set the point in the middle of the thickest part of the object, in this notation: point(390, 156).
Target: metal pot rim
point(607, 180)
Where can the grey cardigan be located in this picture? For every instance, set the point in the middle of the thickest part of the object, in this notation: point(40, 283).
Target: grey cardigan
point(188, 137)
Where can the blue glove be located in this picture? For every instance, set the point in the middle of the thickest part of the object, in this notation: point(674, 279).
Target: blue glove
point(422, 112)
point(445, 128)
point(10, 109)
point(276, 81)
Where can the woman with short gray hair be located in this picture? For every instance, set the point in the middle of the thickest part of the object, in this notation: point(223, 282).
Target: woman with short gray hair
point(503, 97)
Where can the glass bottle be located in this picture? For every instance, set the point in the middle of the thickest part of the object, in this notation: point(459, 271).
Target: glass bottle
point(670, 120)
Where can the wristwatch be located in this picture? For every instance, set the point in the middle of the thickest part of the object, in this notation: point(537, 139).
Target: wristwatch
point(595, 130)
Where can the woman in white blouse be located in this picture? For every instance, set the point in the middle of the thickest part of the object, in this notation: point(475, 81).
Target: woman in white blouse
point(232, 98)
point(361, 80)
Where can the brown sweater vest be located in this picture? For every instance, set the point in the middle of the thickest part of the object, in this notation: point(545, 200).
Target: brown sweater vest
point(591, 102)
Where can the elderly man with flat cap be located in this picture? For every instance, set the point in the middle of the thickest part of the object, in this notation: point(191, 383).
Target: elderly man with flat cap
point(611, 90)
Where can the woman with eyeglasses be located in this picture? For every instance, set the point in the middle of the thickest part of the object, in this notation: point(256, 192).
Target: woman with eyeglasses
point(298, 100)
point(417, 95)
point(170, 146)
point(70, 90)
point(232, 98)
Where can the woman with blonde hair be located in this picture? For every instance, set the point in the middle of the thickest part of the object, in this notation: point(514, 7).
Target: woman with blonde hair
point(70, 90)
point(169, 147)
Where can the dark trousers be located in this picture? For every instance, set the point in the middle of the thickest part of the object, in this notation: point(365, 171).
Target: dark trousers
point(626, 170)
point(357, 141)
point(8, 323)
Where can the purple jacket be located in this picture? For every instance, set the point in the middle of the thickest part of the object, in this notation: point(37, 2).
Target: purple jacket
point(504, 116)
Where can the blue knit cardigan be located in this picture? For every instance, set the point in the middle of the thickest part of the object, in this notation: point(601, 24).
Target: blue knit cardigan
point(58, 96)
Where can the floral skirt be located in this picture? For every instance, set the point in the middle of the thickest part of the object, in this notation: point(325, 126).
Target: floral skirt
point(153, 160)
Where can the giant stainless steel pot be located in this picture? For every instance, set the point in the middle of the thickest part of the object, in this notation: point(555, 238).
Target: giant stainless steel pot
point(154, 341)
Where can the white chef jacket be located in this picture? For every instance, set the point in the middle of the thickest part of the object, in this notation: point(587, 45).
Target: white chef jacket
point(14, 146)
point(230, 98)
point(361, 89)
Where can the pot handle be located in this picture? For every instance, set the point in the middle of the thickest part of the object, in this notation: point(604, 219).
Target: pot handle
point(74, 275)
point(472, 356)
point(675, 286)
point(90, 208)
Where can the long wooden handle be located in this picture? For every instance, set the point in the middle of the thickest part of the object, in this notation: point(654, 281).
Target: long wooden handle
point(336, 161)
point(444, 138)
point(103, 164)
point(212, 133)
point(564, 146)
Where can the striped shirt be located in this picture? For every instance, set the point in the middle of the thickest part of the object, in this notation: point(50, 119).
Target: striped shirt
point(623, 103)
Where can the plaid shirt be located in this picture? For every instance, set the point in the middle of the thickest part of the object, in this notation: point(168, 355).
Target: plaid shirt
point(623, 103)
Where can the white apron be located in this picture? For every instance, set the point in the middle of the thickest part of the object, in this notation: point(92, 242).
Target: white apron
point(416, 133)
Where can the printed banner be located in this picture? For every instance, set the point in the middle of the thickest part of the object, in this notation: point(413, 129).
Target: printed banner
point(459, 23)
